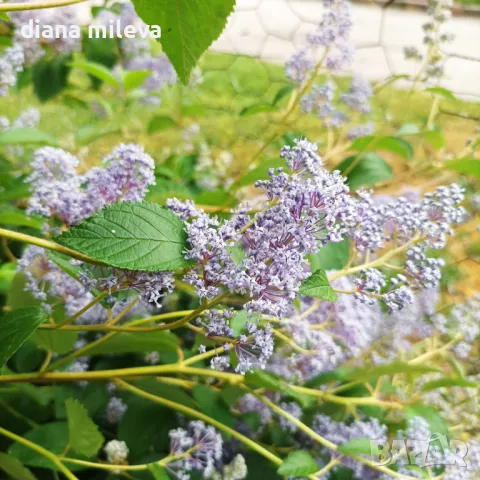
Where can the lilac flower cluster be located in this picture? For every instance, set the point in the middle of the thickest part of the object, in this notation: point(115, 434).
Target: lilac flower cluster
point(464, 320)
point(11, 63)
point(58, 191)
point(201, 446)
point(32, 47)
point(434, 38)
point(137, 53)
point(339, 433)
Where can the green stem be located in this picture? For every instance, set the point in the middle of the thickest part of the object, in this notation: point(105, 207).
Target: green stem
point(42, 451)
point(82, 311)
point(13, 7)
point(40, 242)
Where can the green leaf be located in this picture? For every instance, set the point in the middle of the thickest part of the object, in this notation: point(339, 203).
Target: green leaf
point(14, 468)
point(189, 27)
point(84, 436)
point(56, 341)
point(318, 286)
point(4, 16)
point(158, 472)
point(26, 136)
point(356, 446)
point(395, 145)
point(409, 129)
point(332, 256)
point(260, 172)
point(335, 375)
point(7, 274)
point(449, 382)
point(89, 133)
point(283, 92)
point(209, 402)
point(442, 92)
point(19, 218)
point(136, 236)
point(16, 327)
point(126, 342)
point(50, 76)
point(161, 122)
point(434, 138)
point(392, 368)
point(99, 71)
point(469, 166)
point(298, 464)
point(436, 422)
point(51, 436)
point(135, 79)
point(369, 170)
point(259, 108)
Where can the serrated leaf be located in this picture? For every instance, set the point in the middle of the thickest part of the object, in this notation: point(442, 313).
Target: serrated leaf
point(135, 79)
point(469, 166)
point(99, 71)
point(26, 136)
point(158, 472)
point(298, 464)
point(14, 468)
point(369, 170)
point(135, 236)
point(126, 342)
point(449, 382)
point(84, 436)
point(189, 27)
point(356, 446)
point(16, 327)
point(332, 256)
point(318, 286)
point(161, 122)
point(259, 108)
point(395, 145)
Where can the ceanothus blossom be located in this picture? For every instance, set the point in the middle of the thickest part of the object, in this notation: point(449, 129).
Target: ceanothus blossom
point(340, 433)
point(11, 63)
point(116, 452)
point(116, 408)
point(204, 444)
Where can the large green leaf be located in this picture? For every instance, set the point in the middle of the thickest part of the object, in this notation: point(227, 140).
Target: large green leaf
point(332, 256)
point(189, 27)
point(260, 172)
point(127, 342)
point(318, 286)
point(431, 415)
point(449, 382)
point(161, 122)
point(209, 402)
point(298, 464)
point(257, 108)
point(19, 218)
point(368, 170)
point(14, 468)
point(26, 136)
point(56, 341)
point(50, 76)
point(158, 472)
point(84, 436)
point(16, 327)
point(135, 79)
point(136, 236)
point(393, 368)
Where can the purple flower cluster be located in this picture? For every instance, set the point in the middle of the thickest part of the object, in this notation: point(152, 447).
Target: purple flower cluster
point(58, 191)
point(204, 446)
point(11, 63)
point(65, 16)
point(339, 433)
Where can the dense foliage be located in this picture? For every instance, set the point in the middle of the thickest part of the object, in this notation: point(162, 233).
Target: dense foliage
point(298, 303)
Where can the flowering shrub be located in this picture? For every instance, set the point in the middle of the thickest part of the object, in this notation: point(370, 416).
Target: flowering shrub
point(289, 310)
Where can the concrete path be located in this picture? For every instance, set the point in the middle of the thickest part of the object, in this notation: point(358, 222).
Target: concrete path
point(274, 29)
